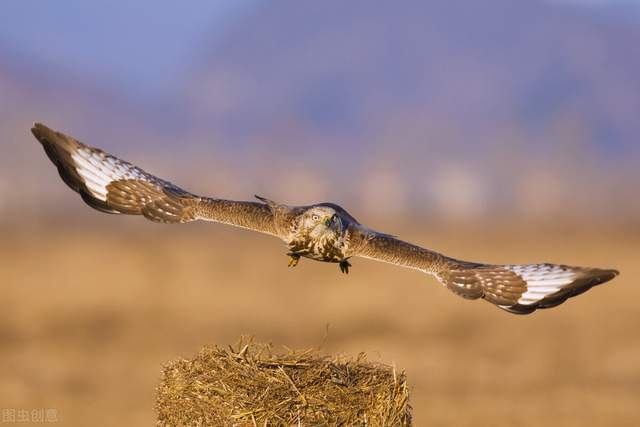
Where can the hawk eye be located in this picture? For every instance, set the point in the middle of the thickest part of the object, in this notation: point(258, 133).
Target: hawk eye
point(315, 217)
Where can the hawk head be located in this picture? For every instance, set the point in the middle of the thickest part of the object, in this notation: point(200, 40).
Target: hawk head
point(321, 222)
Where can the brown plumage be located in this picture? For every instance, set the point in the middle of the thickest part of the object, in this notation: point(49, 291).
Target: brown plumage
point(324, 232)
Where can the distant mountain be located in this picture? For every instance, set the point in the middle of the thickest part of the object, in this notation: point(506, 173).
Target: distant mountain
point(351, 69)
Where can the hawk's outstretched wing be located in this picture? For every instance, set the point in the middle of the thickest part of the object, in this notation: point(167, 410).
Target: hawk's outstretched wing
point(112, 185)
point(519, 289)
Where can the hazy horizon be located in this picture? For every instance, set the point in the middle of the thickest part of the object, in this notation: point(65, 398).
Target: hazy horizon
point(437, 107)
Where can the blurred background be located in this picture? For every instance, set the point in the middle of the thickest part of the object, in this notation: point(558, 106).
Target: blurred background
point(493, 131)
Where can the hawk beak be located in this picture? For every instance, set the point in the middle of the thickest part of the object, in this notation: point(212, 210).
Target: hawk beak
point(333, 223)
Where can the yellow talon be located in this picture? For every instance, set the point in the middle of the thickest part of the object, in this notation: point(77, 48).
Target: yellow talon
point(293, 260)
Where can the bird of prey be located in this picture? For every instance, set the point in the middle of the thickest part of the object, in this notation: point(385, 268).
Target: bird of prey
point(323, 231)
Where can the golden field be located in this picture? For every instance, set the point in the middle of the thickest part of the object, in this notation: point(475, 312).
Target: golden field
point(90, 313)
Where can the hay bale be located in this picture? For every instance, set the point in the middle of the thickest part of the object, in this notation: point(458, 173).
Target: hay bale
point(249, 385)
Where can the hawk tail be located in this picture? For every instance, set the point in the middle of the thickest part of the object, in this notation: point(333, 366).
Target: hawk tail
point(522, 289)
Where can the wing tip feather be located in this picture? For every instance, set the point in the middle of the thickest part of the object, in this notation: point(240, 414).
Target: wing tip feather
point(590, 277)
point(40, 131)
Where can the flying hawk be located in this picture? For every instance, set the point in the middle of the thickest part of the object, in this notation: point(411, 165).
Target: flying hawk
point(323, 232)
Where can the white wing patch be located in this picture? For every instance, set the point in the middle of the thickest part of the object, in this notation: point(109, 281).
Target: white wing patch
point(99, 169)
point(542, 280)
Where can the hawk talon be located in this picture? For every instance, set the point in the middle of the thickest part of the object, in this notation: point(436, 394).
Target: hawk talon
point(344, 266)
point(293, 260)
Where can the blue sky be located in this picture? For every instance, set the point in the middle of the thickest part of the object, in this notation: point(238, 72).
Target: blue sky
point(141, 44)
